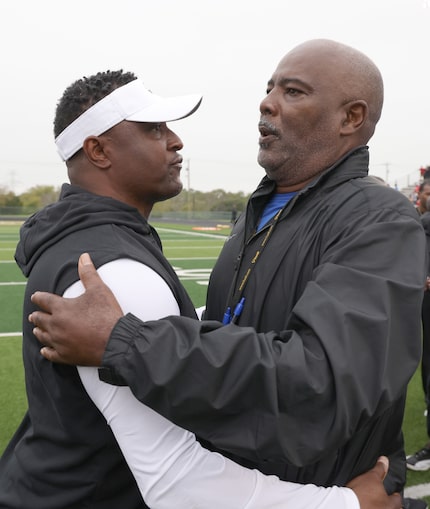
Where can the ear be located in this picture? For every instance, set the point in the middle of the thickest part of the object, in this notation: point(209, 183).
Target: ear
point(93, 148)
point(355, 116)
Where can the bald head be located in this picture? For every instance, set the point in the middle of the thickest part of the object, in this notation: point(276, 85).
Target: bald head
point(349, 72)
point(323, 100)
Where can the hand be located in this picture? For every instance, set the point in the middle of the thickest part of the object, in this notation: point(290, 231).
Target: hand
point(76, 331)
point(370, 490)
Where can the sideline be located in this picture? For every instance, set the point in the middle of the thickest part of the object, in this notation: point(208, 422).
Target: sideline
point(418, 491)
point(10, 334)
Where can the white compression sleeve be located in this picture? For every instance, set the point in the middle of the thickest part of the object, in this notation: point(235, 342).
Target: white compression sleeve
point(169, 465)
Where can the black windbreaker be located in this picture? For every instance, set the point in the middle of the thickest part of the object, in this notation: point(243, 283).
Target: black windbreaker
point(64, 455)
point(311, 383)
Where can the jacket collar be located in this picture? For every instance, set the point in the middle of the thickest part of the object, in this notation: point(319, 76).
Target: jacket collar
point(354, 164)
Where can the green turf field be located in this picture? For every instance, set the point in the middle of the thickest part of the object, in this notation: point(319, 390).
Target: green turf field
point(193, 254)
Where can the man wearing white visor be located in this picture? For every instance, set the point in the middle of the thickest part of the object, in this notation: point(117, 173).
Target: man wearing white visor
point(132, 102)
point(69, 451)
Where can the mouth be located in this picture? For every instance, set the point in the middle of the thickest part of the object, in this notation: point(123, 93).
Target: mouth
point(177, 163)
point(268, 133)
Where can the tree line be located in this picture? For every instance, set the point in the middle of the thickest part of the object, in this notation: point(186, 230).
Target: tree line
point(38, 197)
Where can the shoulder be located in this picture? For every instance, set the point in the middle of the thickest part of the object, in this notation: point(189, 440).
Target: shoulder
point(377, 196)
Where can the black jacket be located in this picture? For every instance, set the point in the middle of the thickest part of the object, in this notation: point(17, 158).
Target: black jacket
point(64, 455)
point(312, 384)
point(425, 221)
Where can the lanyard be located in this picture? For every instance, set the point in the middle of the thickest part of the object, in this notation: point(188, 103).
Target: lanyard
point(238, 296)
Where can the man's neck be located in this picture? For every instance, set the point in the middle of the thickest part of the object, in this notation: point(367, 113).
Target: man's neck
point(293, 188)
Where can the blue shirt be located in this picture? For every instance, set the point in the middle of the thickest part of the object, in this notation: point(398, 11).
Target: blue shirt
point(276, 202)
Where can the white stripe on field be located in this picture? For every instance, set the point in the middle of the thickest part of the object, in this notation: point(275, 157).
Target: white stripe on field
point(418, 491)
point(197, 234)
point(195, 258)
point(166, 248)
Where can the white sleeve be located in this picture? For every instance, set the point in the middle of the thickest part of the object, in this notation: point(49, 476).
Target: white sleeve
point(170, 467)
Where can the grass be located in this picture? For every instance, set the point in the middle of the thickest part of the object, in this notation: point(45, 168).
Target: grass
point(414, 428)
point(193, 258)
point(12, 396)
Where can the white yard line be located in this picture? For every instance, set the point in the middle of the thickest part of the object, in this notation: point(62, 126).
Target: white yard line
point(418, 491)
point(197, 234)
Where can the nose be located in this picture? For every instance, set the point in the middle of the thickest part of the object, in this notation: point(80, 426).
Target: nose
point(174, 143)
point(267, 105)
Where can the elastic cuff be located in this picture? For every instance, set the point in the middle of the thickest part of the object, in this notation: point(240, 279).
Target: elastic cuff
point(121, 338)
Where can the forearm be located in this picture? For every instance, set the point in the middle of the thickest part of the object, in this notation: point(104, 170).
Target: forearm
point(232, 377)
point(173, 470)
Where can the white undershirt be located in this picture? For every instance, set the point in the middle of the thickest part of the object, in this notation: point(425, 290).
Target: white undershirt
point(170, 467)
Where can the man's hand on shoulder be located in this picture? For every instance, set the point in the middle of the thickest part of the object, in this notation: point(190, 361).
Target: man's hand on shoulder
point(76, 331)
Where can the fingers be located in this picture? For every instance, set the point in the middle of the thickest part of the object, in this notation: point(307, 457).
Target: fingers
point(41, 335)
point(47, 351)
point(51, 355)
point(76, 330)
point(381, 467)
point(40, 321)
point(45, 300)
point(395, 501)
point(87, 272)
point(378, 472)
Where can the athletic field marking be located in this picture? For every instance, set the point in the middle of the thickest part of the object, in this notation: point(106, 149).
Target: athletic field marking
point(197, 234)
point(10, 334)
point(418, 491)
point(166, 248)
point(13, 283)
point(195, 258)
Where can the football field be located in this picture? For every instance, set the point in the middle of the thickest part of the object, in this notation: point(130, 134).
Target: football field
point(192, 252)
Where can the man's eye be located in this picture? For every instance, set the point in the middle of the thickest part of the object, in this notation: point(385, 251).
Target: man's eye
point(292, 91)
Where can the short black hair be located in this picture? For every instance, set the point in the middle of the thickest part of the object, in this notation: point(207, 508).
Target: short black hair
point(84, 93)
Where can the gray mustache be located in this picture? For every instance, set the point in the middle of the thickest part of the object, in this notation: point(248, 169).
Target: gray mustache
point(267, 127)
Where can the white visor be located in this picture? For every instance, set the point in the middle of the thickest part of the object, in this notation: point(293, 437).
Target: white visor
point(130, 102)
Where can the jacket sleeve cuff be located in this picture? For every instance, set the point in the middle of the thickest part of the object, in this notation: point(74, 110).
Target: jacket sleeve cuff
point(123, 335)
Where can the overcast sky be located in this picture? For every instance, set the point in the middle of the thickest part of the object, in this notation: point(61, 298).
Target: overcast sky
point(226, 49)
